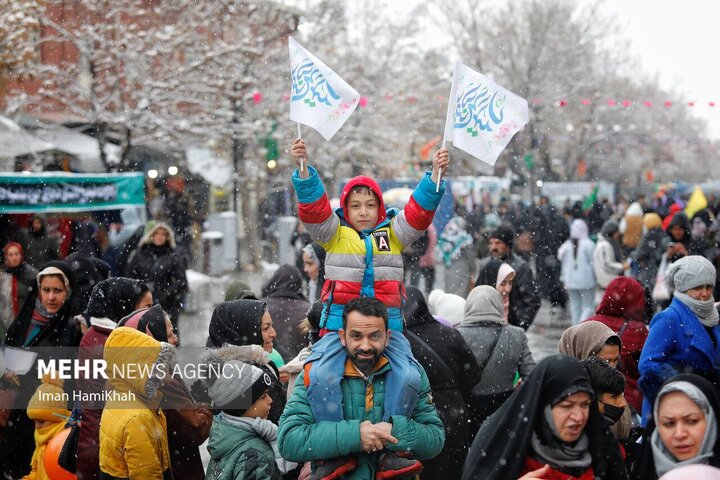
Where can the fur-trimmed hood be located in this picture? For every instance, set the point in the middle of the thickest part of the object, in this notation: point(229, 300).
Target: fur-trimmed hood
point(152, 228)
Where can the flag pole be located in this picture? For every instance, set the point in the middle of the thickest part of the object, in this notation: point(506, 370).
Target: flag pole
point(447, 121)
point(299, 137)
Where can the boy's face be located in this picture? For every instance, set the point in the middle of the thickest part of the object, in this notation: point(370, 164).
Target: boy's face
point(261, 407)
point(361, 210)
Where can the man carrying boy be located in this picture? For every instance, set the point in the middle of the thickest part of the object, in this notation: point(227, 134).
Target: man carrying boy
point(363, 442)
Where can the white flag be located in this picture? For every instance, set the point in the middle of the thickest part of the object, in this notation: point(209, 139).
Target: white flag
point(482, 116)
point(319, 97)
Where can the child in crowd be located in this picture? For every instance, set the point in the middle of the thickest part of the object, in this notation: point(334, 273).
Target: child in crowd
point(48, 408)
point(363, 243)
point(243, 442)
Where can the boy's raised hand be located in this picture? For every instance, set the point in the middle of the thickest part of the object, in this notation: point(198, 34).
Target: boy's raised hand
point(441, 160)
point(299, 153)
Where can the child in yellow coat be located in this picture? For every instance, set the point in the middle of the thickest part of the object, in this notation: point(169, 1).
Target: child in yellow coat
point(48, 408)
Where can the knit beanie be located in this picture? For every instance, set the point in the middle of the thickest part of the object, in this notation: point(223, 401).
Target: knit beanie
point(234, 385)
point(49, 401)
point(690, 272)
point(449, 306)
point(505, 234)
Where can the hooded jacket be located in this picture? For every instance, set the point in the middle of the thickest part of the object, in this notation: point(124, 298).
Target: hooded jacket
point(287, 306)
point(451, 380)
point(622, 309)
point(236, 324)
point(162, 269)
point(577, 271)
point(367, 263)
point(495, 454)
point(41, 247)
point(133, 430)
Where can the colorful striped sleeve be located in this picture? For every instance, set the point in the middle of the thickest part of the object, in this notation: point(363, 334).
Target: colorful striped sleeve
point(314, 207)
point(418, 214)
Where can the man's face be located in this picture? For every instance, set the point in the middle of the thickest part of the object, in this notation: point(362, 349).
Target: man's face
point(361, 210)
point(498, 248)
point(365, 339)
point(37, 224)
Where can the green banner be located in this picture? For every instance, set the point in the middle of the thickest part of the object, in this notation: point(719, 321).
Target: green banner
point(69, 192)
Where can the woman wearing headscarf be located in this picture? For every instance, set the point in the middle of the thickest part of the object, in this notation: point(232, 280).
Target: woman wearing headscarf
point(550, 428)
point(110, 301)
point(608, 258)
point(313, 257)
point(455, 249)
point(577, 273)
point(243, 330)
point(157, 263)
point(595, 339)
point(500, 349)
point(22, 281)
point(622, 309)
point(453, 371)
point(685, 337)
point(287, 306)
point(683, 430)
point(188, 422)
point(45, 320)
point(500, 276)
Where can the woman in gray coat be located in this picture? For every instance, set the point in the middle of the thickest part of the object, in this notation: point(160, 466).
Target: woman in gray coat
point(501, 350)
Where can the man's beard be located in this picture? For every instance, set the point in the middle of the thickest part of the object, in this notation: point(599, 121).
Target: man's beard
point(365, 365)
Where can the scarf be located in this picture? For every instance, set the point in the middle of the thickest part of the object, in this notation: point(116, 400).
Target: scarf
point(39, 320)
point(664, 460)
point(42, 437)
point(453, 239)
point(704, 310)
point(267, 431)
point(572, 458)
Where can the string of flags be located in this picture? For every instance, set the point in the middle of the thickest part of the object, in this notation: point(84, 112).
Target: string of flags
point(258, 97)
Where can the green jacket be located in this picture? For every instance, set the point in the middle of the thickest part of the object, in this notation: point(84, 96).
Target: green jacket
point(301, 439)
point(239, 453)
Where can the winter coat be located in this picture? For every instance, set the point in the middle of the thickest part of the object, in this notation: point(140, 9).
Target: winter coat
point(239, 453)
point(88, 271)
point(16, 440)
point(301, 438)
point(606, 266)
point(235, 326)
point(452, 371)
point(366, 263)
point(632, 225)
point(677, 343)
point(553, 474)
point(649, 255)
point(577, 271)
point(622, 309)
point(41, 247)
point(524, 298)
point(23, 282)
point(133, 429)
point(162, 269)
point(287, 306)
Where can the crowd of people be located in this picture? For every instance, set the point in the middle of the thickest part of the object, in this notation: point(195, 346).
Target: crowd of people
point(350, 372)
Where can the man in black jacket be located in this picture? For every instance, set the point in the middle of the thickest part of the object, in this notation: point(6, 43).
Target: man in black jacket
point(524, 298)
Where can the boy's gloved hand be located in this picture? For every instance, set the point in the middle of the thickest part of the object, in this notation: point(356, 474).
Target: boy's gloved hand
point(441, 160)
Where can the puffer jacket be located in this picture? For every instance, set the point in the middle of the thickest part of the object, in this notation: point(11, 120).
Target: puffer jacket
point(301, 438)
point(238, 452)
point(367, 263)
point(133, 429)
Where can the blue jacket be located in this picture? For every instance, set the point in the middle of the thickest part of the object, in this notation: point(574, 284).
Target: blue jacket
point(677, 343)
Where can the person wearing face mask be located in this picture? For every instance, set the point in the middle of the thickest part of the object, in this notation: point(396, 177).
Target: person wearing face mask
point(683, 430)
point(609, 386)
point(685, 337)
point(500, 276)
point(559, 434)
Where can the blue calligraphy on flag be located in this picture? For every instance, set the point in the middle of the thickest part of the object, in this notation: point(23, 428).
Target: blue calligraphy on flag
point(310, 86)
point(476, 109)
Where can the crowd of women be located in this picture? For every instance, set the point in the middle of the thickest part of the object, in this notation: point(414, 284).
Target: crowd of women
point(621, 398)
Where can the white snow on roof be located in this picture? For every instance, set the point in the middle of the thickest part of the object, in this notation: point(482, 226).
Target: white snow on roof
point(15, 140)
point(80, 145)
point(204, 162)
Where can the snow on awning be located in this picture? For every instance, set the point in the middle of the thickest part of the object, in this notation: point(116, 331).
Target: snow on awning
point(204, 162)
point(82, 146)
point(16, 141)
